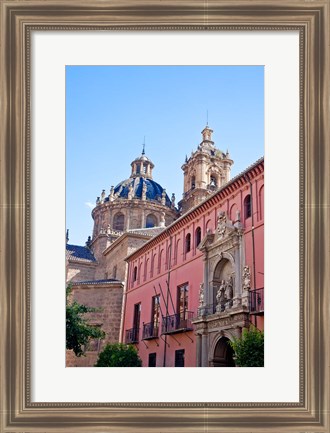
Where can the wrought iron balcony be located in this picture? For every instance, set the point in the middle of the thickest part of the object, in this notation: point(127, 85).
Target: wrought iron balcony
point(256, 301)
point(150, 331)
point(177, 323)
point(132, 335)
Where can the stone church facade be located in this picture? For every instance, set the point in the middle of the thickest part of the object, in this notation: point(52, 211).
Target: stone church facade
point(176, 281)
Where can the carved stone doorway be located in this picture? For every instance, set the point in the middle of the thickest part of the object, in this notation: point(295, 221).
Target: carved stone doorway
point(223, 354)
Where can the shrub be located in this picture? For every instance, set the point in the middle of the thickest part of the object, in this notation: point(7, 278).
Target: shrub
point(119, 355)
point(249, 349)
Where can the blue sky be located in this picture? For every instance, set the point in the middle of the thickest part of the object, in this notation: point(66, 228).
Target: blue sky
point(110, 109)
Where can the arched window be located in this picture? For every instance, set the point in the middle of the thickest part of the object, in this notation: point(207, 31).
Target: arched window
point(247, 206)
point(118, 221)
point(145, 269)
point(134, 273)
point(151, 221)
point(213, 182)
point(198, 236)
point(188, 242)
point(233, 211)
point(261, 203)
point(114, 272)
point(152, 265)
point(193, 182)
point(160, 259)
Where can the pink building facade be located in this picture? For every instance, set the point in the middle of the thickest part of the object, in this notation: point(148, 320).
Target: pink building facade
point(200, 282)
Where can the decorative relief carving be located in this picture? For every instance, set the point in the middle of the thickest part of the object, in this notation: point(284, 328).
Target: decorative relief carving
point(246, 278)
point(201, 295)
point(221, 224)
point(229, 291)
point(226, 321)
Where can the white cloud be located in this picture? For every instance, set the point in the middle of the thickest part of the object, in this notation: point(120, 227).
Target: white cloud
point(90, 205)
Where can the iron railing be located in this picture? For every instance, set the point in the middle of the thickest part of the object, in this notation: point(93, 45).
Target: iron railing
point(256, 301)
point(150, 330)
point(177, 323)
point(132, 335)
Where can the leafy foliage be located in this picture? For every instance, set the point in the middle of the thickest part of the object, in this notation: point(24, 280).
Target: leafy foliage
point(119, 355)
point(249, 349)
point(78, 331)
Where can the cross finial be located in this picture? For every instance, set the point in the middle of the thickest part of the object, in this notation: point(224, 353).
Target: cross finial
point(207, 117)
point(143, 145)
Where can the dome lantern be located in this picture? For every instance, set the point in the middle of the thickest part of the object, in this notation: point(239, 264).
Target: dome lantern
point(142, 167)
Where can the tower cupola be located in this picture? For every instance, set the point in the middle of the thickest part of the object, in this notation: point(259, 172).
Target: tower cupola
point(207, 170)
point(207, 136)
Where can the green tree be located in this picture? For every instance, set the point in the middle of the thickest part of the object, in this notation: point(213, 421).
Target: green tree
point(119, 355)
point(249, 349)
point(78, 331)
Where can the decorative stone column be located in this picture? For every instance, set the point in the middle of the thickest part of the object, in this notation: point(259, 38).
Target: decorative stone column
point(198, 350)
point(205, 354)
point(208, 297)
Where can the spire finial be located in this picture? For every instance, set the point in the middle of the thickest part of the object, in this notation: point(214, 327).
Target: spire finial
point(143, 145)
point(207, 117)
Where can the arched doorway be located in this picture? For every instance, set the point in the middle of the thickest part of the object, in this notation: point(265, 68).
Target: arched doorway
point(223, 354)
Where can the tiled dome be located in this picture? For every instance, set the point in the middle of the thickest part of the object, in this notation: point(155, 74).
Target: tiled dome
point(154, 191)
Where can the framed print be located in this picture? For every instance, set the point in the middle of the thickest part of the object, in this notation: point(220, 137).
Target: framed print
point(43, 42)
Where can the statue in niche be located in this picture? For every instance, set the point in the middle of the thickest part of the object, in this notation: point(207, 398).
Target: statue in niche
point(221, 296)
point(221, 227)
point(246, 278)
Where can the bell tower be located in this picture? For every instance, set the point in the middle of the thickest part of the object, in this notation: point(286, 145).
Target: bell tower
point(207, 170)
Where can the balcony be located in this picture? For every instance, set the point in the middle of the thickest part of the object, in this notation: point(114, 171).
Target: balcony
point(132, 336)
point(150, 331)
point(256, 301)
point(177, 323)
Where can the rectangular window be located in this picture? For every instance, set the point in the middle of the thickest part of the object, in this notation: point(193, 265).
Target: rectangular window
point(152, 360)
point(182, 303)
point(136, 322)
point(179, 358)
point(155, 311)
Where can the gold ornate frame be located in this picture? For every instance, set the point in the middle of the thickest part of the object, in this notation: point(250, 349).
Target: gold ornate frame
point(18, 19)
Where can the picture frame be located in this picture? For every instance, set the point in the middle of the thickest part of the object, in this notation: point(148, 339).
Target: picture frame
point(19, 18)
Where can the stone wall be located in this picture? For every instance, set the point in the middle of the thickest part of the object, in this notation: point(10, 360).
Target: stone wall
point(80, 271)
point(108, 299)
